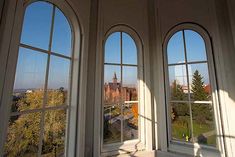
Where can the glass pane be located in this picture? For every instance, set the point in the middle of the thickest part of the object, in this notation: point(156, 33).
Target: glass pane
point(203, 124)
point(178, 82)
point(54, 133)
point(130, 83)
point(175, 49)
point(61, 42)
point(37, 25)
point(29, 80)
point(195, 46)
point(130, 122)
point(58, 81)
point(113, 48)
point(112, 124)
point(180, 122)
point(23, 135)
point(199, 83)
point(112, 84)
point(129, 50)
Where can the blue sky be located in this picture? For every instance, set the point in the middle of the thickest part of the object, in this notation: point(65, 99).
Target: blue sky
point(195, 51)
point(113, 55)
point(31, 66)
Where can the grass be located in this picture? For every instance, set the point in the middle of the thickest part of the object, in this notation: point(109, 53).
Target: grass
point(181, 129)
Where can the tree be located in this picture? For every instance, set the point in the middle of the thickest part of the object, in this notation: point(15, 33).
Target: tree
point(178, 109)
point(197, 87)
point(24, 130)
point(201, 112)
point(177, 91)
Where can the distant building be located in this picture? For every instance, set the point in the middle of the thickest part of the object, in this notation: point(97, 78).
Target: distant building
point(114, 92)
point(207, 88)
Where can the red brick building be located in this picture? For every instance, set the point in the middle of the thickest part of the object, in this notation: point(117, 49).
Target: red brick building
point(115, 92)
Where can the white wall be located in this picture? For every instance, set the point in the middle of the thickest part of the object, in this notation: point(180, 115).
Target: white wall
point(226, 75)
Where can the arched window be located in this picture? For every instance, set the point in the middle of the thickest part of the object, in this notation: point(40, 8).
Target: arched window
point(191, 89)
point(120, 98)
point(42, 87)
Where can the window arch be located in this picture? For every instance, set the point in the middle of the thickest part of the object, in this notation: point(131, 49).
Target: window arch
point(42, 95)
point(121, 89)
point(192, 103)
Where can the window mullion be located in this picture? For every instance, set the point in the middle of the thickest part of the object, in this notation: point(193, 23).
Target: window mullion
point(46, 85)
point(122, 101)
point(39, 110)
point(188, 86)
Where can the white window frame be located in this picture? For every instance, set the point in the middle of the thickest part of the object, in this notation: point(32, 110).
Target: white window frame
point(107, 147)
point(75, 114)
point(183, 147)
point(144, 103)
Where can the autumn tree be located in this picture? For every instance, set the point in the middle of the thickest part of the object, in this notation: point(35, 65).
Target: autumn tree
point(24, 130)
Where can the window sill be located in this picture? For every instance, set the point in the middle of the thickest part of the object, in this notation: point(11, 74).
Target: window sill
point(127, 147)
point(193, 149)
point(156, 153)
point(180, 152)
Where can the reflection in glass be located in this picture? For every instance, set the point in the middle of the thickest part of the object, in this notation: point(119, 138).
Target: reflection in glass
point(112, 124)
point(203, 124)
point(195, 46)
point(23, 135)
point(58, 81)
point(175, 49)
point(130, 121)
point(59, 73)
point(129, 89)
point(178, 82)
point(54, 133)
point(199, 83)
point(31, 70)
point(113, 48)
point(37, 25)
point(180, 122)
point(29, 80)
point(129, 50)
point(61, 42)
point(112, 84)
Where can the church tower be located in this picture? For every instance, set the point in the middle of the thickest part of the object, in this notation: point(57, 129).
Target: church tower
point(115, 78)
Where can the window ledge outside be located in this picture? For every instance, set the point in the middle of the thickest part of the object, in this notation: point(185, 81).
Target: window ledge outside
point(156, 153)
point(194, 150)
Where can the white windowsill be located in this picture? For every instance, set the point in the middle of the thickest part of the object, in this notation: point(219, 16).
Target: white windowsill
point(126, 147)
point(194, 149)
point(156, 153)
